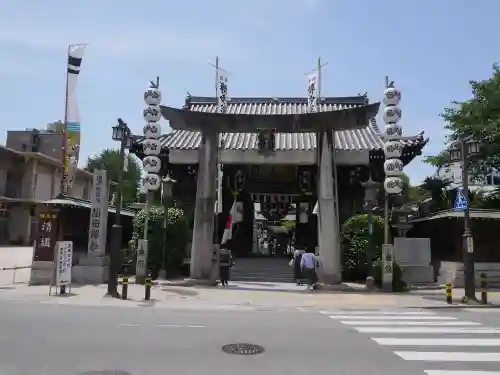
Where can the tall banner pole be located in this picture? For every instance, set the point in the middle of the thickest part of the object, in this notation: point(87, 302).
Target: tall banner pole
point(64, 133)
point(70, 131)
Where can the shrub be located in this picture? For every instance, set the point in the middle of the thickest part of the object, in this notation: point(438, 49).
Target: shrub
point(176, 237)
point(355, 238)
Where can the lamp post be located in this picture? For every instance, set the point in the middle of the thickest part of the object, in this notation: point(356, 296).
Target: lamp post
point(166, 196)
point(462, 152)
point(122, 134)
point(370, 187)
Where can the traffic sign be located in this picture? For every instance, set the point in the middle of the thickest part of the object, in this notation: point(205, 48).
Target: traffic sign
point(460, 201)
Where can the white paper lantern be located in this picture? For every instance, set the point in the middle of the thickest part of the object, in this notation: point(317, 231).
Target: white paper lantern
point(392, 114)
point(152, 164)
point(392, 96)
point(152, 96)
point(151, 146)
point(393, 167)
point(393, 132)
point(152, 113)
point(151, 182)
point(393, 185)
point(152, 130)
point(393, 149)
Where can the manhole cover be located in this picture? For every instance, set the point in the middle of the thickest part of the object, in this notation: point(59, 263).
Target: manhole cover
point(242, 349)
point(107, 372)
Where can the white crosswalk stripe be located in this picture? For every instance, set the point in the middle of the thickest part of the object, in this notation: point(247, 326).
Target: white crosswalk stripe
point(429, 338)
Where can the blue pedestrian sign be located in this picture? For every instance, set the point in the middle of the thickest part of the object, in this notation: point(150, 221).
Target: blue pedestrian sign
point(460, 201)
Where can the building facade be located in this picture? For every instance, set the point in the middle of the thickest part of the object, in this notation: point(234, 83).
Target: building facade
point(30, 173)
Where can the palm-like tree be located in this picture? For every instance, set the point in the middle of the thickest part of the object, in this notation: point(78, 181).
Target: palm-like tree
point(436, 189)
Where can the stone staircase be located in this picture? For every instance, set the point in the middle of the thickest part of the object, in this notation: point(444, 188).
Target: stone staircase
point(262, 270)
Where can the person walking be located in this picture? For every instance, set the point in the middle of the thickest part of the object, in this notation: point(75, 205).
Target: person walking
point(308, 267)
point(225, 264)
point(296, 264)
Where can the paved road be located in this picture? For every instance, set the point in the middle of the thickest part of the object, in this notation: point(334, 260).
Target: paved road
point(46, 339)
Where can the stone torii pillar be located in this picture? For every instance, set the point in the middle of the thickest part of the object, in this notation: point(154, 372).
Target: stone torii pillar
point(206, 191)
point(328, 236)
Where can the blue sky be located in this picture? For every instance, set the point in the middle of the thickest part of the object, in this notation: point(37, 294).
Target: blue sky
point(431, 48)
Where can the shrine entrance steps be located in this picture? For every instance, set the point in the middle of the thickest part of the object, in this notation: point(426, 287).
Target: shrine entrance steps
point(262, 270)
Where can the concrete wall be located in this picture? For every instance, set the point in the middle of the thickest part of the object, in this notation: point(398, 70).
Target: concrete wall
point(43, 184)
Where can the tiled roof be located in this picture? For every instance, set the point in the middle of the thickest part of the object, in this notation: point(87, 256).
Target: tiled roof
point(359, 139)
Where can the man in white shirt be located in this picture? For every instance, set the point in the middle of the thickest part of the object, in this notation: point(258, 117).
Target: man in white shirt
point(308, 266)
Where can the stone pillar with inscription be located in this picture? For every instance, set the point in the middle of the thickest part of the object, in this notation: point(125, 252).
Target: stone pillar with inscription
point(328, 236)
point(93, 268)
point(202, 247)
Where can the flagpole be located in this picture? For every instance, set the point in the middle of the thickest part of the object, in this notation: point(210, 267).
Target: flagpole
point(65, 129)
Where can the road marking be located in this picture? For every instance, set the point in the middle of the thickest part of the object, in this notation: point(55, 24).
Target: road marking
point(482, 310)
point(392, 317)
point(407, 323)
point(454, 372)
point(463, 330)
point(160, 325)
point(448, 356)
point(390, 341)
point(374, 312)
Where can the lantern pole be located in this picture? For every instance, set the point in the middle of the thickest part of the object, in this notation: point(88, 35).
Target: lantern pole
point(152, 166)
point(393, 168)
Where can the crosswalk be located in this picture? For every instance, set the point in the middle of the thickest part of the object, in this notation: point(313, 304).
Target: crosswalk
point(443, 345)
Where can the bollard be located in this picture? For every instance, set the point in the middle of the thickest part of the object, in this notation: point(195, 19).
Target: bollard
point(147, 291)
point(484, 292)
point(124, 287)
point(448, 293)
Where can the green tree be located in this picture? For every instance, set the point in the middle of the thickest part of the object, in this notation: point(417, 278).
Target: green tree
point(479, 117)
point(109, 159)
point(438, 160)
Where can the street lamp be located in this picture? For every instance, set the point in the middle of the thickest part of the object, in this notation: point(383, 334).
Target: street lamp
point(370, 187)
point(122, 134)
point(167, 185)
point(461, 152)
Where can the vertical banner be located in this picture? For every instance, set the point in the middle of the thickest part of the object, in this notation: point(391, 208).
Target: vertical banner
point(222, 102)
point(222, 98)
point(98, 224)
point(64, 261)
point(72, 125)
point(312, 90)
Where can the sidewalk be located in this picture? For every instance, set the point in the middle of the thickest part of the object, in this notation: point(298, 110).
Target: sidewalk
point(493, 297)
point(239, 296)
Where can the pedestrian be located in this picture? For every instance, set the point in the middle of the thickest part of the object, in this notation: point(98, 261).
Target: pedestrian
point(296, 263)
point(308, 267)
point(225, 264)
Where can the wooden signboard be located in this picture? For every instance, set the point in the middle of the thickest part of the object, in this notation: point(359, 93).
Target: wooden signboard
point(46, 237)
